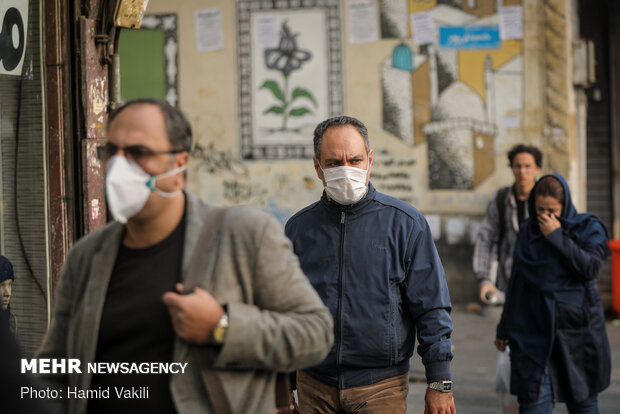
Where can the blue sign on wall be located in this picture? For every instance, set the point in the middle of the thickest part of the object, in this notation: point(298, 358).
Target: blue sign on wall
point(469, 37)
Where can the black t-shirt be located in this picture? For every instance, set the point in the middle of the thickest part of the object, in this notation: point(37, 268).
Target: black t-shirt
point(521, 206)
point(136, 327)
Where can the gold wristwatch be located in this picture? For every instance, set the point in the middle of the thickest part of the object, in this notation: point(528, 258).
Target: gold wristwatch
point(220, 330)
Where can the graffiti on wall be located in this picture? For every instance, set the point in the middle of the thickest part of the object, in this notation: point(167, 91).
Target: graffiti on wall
point(290, 74)
point(391, 174)
point(459, 95)
point(234, 174)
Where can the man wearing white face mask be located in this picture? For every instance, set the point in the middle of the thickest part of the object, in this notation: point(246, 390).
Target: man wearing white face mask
point(372, 260)
point(121, 297)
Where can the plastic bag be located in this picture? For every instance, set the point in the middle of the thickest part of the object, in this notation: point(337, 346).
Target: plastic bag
point(502, 383)
point(502, 375)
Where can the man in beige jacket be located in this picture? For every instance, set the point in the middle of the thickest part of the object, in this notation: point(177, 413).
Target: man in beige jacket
point(119, 298)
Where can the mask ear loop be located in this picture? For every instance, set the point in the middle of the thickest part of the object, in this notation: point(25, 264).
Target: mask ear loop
point(151, 183)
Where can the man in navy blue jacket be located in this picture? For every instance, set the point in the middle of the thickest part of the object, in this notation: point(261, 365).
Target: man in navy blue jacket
point(372, 260)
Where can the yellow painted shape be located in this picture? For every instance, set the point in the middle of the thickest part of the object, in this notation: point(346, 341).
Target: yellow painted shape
point(417, 6)
point(129, 13)
point(471, 63)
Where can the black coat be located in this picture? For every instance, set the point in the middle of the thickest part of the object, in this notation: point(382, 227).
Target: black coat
point(553, 316)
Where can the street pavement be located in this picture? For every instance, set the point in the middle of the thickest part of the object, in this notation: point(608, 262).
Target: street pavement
point(473, 367)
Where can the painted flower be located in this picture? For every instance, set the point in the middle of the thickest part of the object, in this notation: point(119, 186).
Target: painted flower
point(286, 57)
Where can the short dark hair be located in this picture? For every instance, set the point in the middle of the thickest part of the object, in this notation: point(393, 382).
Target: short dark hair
point(178, 128)
point(336, 122)
point(530, 149)
point(550, 187)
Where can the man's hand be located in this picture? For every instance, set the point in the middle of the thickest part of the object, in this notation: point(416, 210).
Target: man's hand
point(500, 344)
point(548, 223)
point(193, 315)
point(437, 402)
point(488, 293)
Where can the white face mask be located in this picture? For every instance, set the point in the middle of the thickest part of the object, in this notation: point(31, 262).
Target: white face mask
point(345, 185)
point(128, 187)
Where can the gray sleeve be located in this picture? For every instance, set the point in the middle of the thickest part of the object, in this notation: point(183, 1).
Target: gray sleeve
point(487, 241)
point(287, 327)
point(54, 344)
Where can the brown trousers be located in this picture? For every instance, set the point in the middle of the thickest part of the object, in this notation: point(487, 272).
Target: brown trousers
point(384, 397)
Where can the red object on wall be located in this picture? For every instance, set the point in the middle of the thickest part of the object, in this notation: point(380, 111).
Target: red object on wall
point(614, 245)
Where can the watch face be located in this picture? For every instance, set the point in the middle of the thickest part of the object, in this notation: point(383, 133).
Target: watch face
point(443, 386)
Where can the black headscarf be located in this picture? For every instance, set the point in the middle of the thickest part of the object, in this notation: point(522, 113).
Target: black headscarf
point(6, 273)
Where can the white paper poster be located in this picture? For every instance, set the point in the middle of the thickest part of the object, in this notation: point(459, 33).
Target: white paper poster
point(208, 26)
point(267, 31)
point(511, 122)
point(423, 28)
point(362, 21)
point(510, 22)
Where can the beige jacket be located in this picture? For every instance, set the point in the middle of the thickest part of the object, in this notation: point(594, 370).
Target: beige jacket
point(282, 325)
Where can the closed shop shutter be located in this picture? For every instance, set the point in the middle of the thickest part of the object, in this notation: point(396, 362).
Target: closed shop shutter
point(23, 189)
point(593, 25)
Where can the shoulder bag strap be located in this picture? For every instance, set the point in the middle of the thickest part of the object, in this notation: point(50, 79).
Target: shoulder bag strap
point(500, 202)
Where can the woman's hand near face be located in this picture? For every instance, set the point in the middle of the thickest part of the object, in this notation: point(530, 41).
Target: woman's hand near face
point(548, 223)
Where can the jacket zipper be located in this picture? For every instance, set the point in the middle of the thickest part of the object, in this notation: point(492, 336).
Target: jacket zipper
point(340, 292)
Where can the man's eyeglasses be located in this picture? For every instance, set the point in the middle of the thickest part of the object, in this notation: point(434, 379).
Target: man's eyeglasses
point(134, 152)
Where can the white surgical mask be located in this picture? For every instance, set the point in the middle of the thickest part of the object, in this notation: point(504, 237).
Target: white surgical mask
point(345, 185)
point(128, 187)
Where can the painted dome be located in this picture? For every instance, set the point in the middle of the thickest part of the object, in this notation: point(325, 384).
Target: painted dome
point(402, 57)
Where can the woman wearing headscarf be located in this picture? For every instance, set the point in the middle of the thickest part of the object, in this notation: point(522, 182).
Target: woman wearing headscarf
point(553, 317)
point(6, 287)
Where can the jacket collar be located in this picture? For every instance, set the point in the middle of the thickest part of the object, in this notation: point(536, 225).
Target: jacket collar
point(334, 207)
point(196, 213)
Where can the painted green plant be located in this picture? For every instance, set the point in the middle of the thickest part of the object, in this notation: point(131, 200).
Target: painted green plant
point(285, 59)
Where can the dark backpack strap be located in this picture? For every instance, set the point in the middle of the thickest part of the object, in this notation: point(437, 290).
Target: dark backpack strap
point(500, 202)
point(197, 264)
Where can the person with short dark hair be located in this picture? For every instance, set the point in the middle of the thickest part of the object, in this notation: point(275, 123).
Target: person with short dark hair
point(553, 316)
point(528, 149)
point(123, 295)
point(373, 261)
point(7, 277)
point(495, 242)
point(504, 214)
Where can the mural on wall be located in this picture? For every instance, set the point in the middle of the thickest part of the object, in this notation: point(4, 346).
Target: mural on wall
point(290, 74)
point(286, 58)
point(461, 95)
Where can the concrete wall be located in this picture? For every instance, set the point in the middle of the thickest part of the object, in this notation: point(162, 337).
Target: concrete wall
point(440, 120)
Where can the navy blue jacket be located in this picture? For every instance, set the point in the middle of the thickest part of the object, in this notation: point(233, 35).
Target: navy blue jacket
point(376, 268)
